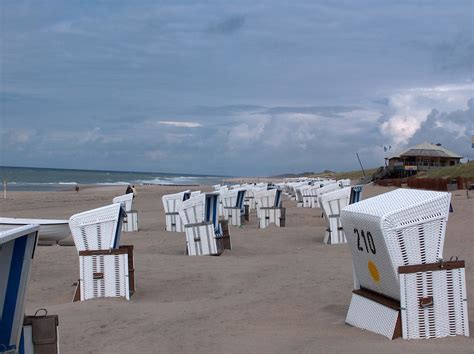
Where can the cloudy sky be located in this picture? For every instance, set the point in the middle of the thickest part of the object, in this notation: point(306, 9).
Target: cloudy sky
point(232, 87)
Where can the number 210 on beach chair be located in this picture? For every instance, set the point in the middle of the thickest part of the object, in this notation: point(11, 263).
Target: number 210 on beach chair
point(402, 285)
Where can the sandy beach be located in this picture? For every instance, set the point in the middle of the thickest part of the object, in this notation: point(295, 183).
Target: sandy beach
point(279, 289)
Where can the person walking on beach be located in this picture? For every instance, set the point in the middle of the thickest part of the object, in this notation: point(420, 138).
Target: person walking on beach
point(134, 191)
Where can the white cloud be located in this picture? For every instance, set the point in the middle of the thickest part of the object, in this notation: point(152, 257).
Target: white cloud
point(180, 124)
point(410, 108)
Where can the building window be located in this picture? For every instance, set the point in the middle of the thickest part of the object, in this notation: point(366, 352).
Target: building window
point(452, 163)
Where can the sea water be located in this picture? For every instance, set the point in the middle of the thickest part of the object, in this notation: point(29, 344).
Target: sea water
point(47, 179)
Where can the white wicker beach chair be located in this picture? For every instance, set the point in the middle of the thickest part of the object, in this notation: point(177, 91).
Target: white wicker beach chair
point(130, 221)
point(324, 189)
point(171, 204)
point(201, 223)
point(344, 183)
point(332, 203)
point(17, 247)
point(106, 268)
point(397, 241)
point(306, 196)
point(269, 209)
point(233, 206)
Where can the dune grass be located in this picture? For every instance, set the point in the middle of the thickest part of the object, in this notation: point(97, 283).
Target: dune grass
point(353, 175)
point(465, 170)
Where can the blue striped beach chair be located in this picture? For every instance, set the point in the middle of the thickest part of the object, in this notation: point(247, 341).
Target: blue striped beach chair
point(269, 208)
point(17, 247)
point(171, 204)
point(233, 205)
point(200, 217)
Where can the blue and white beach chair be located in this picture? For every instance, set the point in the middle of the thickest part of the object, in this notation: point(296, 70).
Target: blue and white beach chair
point(171, 204)
point(201, 223)
point(332, 204)
point(17, 247)
point(106, 268)
point(269, 209)
point(233, 205)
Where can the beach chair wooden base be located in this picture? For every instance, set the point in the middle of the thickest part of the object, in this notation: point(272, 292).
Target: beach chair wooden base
point(173, 222)
point(375, 312)
point(334, 234)
point(227, 245)
point(234, 216)
point(201, 240)
point(432, 304)
point(106, 273)
point(269, 215)
point(130, 221)
point(40, 335)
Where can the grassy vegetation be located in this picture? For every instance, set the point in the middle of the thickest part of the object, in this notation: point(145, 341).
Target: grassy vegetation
point(462, 170)
point(354, 175)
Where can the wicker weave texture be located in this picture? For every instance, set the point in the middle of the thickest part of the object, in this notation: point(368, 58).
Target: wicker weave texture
point(112, 280)
point(125, 200)
point(369, 315)
point(401, 227)
point(446, 316)
point(96, 229)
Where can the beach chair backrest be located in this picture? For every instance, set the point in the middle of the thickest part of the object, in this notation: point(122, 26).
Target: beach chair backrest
point(192, 211)
point(171, 202)
point(228, 198)
point(344, 182)
point(327, 188)
point(269, 199)
point(97, 229)
point(17, 247)
point(326, 182)
point(126, 200)
point(356, 194)
point(398, 228)
point(333, 202)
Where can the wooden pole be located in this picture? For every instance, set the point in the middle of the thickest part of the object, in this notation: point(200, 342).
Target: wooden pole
point(5, 188)
point(358, 158)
